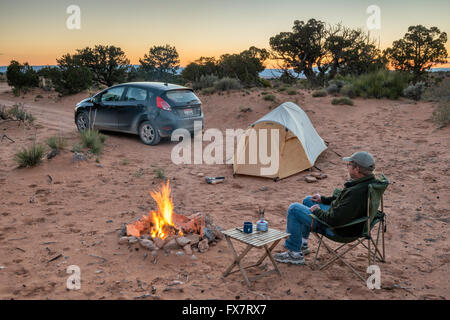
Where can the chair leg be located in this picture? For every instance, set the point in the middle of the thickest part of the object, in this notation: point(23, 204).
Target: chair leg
point(382, 239)
point(337, 256)
point(318, 248)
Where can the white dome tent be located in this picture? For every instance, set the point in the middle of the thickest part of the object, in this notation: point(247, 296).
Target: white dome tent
point(298, 148)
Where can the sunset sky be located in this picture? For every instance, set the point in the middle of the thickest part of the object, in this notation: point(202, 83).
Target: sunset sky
point(36, 32)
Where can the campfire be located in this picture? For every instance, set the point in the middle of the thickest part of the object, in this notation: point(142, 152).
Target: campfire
point(164, 229)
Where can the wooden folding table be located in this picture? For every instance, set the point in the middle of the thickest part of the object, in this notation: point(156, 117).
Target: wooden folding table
point(257, 239)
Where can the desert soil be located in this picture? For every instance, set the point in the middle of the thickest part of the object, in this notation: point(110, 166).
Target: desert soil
point(75, 215)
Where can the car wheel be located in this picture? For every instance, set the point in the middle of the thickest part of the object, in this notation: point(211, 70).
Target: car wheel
point(82, 121)
point(148, 133)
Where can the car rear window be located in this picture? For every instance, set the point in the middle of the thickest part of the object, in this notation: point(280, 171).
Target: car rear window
point(182, 96)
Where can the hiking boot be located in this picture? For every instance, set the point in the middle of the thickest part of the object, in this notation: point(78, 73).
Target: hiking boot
point(290, 257)
point(306, 250)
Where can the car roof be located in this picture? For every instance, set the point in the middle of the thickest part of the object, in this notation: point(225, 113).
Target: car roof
point(159, 86)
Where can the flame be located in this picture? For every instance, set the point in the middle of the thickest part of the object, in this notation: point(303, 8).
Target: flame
point(158, 223)
point(162, 218)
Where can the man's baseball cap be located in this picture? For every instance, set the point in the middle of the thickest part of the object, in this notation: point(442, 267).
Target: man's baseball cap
point(363, 159)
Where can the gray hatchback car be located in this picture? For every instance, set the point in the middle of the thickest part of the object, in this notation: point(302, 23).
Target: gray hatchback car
point(150, 109)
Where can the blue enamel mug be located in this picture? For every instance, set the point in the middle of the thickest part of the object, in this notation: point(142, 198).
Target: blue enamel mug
point(248, 227)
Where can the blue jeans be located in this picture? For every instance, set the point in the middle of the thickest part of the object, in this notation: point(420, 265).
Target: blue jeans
point(299, 223)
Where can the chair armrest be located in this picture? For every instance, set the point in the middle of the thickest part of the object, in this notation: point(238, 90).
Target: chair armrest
point(342, 226)
point(314, 217)
point(352, 223)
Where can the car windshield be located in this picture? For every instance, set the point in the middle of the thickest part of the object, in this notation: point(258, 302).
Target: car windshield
point(182, 96)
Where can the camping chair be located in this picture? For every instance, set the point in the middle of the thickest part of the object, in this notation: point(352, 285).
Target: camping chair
point(374, 217)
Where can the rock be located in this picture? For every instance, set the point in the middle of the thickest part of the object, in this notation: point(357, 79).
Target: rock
point(182, 241)
point(123, 230)
point(263, 189)
point(179, 253)
point(200, 174)
point(310, 179)
point(203, 245)
point(193, 238)
point(52, 153)
point(123, 240)
point(171, 245)
point(187, 249)
point(319, 175)
point(159, 242)
point(218, 232)
point(208, 234)
point(193, 257)
point(155, 253)
point(147, 244)
point(132, 240)
point(78, 156)
point(208, 220)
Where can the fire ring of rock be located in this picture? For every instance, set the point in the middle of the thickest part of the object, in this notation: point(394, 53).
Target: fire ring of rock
point(166, 230)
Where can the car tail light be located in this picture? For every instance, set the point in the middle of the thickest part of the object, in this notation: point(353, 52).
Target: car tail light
point(162, 104)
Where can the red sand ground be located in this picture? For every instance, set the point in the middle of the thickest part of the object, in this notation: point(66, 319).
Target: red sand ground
point(77, 215)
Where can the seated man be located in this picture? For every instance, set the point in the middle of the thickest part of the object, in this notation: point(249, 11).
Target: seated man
point(348, 206)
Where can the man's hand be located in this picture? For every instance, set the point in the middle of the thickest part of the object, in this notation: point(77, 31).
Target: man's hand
point(316, 198)
point(314, 207)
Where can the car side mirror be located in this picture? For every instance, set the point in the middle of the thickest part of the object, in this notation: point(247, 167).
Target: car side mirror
point(95, 100)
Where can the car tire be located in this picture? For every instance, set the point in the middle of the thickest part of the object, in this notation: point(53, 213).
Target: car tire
point(82, 121)
point(149, 133)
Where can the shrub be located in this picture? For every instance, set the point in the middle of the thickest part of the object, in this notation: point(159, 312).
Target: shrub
point(207, 91)
point(18, 113)
point(437, 92)
point(319, 93)
point(348, 90)
point(21, 76)
point(56, 142)
point(160, 173)
point(264, 83)
point(441, 115)
point(68, 79)
point(77, 148)
point(380, 84)
point(31, 156)
point(73, 80)
point(93, 140)
point(226, 84)
point(291, 92)
point(332, 89)
point(414, 91)
point(269, 97)
point(341, 101)
point(205, 82)
point(335, 86)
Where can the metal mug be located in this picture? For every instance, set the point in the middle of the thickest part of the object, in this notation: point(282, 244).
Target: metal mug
point(248, 227)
